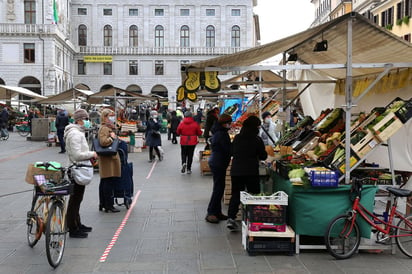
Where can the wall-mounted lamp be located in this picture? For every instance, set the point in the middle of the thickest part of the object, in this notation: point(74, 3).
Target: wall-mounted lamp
point(293, 57)
point(321, 46)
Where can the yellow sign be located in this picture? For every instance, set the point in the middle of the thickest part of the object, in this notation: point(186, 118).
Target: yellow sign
point(98, 59)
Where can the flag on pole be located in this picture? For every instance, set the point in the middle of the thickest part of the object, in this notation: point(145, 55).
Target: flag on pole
point(55, 13)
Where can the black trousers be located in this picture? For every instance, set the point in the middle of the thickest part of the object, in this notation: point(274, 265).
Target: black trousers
point(60, 136)
point(215, 203)
point(73, 209)
point(239, 183)
point(187, 155)
point(151, 155)
point(106, 192)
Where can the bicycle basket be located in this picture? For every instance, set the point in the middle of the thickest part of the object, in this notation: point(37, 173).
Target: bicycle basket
point(51, 174)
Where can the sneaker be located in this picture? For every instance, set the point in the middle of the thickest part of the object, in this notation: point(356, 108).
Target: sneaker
point(161, 157)
point(183, 168)
point(232, 225)
point(222, 217)
point(78, 234)
point(189, 171)
point(212, 219)
point(85, 228)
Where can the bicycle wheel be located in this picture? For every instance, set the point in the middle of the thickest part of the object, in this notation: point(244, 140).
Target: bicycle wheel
point(55, 234)
point(338, 243)
point(23, 131)
point(35, 224)
point(405, 242)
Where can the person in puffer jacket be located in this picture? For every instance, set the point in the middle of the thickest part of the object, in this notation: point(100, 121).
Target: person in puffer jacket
point(189, 131)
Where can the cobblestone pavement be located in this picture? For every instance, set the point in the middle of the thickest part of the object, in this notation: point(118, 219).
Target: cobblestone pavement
point(165, 231)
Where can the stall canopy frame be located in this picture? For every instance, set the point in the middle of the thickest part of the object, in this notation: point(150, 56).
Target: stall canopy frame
point(7, 93)
point(357, 48)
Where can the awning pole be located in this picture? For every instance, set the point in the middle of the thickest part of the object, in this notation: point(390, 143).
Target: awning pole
point(348, 107)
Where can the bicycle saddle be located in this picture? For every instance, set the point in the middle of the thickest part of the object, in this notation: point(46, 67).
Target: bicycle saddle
point(399, 192)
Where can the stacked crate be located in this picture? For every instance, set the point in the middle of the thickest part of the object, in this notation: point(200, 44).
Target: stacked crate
point(228, 186)
point(204, 165)
point(264, 227)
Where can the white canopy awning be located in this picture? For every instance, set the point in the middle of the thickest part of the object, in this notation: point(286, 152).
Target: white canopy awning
point(9, 92)
point(67, 96)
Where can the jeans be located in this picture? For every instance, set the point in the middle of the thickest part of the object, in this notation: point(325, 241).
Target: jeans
point(73, 209)
point(239, 183)
point(215, 203)
point(187, 155)
point(60, 136)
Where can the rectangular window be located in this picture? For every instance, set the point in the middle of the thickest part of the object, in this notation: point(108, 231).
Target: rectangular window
point(235, 12)
point(81, 11)
point(81, 67)
point(133, 67)
point(29, 12)
point(107, 12)
point(184, 12)
point(159, 68)
point(133, 12)
point(159, 12)
point(107, 68)
point(29, 53)
point(210, 12)
point(399, 11)
point(407, 37)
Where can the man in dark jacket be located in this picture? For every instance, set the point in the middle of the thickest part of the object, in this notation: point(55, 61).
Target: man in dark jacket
point(218, 163)
point(247, 150)
point(62, 120)
point(4, 121)
point(211, 118)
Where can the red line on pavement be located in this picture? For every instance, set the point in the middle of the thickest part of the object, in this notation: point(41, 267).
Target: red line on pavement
point(21, 154)
point(119, 229)
point(151, 170)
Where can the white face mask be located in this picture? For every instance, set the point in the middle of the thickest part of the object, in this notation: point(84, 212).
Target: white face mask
point(112, 119)
point(267, 120)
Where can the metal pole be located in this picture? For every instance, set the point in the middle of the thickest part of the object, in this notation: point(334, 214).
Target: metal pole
point(348, 107)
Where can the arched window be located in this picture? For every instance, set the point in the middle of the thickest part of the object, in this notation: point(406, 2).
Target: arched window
point(210, 36)
point(133, 36)
point(108, 36)
point(184, 37)
point(235, 37)
point(159, 36)
point(82, 35)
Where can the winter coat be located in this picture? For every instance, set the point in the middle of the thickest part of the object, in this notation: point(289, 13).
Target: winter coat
point(152, 134)
point(77, 147)
point(62, 120)
point(109, 166)
point(221, 147)
point(270, 128)
point(174, 123)
point(247, 151)
point(189, 131)
point(211, 118)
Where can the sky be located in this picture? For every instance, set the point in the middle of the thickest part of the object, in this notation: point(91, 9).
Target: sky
point(283, 18)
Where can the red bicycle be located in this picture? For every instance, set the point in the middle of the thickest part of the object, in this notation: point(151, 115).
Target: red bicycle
point(342, 237)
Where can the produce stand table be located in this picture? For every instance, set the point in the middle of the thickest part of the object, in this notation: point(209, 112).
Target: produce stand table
point(311, 209)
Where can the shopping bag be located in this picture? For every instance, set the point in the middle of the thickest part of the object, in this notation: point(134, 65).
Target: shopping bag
point(106, 151)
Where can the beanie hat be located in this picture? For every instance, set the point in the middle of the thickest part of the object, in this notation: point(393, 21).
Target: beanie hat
point(188, 114)
point(153, 113)
point(224, 118)
point(80, 114)
point(266, 114)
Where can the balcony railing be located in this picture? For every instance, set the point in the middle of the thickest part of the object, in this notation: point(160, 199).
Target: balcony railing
point(28, 29)
point(158, 51)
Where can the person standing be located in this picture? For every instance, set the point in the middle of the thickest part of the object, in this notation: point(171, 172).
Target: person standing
point(153, 137)
point(189, 132)
point(211, 118)
point(78, 150)
point(218, 163)
point(247, 150)
point(174, 123)
point(4, 120)
point(62, 120)
point(109, 166)
point(267, 131)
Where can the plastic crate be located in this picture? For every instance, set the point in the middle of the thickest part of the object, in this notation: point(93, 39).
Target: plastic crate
point(326, 178)
point(269, 244)
point(277, 198)
point(266, 227)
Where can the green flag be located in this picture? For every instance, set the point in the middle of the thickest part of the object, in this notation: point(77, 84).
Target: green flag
point(55, 13)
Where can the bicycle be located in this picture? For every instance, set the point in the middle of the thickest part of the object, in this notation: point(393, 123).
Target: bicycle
point(342, 237)
point(48, 212)
point(23, 129)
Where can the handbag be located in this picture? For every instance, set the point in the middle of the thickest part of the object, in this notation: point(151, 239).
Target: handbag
point(155, 133)
point(106, 151)
point(83, 174)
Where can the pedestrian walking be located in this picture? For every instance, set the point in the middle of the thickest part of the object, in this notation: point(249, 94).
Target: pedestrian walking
point(153, 137)
point(78, 150)
point(4, 121)
point(62, 120)
point(109, 166)
point(247, 150)
point(174, 123)
point(218, 162)
point(189, 132)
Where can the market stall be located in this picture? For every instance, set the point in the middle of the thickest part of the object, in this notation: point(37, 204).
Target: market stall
point(339, 65)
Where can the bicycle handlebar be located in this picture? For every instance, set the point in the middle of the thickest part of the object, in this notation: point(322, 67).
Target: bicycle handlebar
point(48, 165)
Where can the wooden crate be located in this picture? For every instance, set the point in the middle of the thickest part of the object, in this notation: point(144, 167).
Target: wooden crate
point(394, 125)
point(366, 144)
